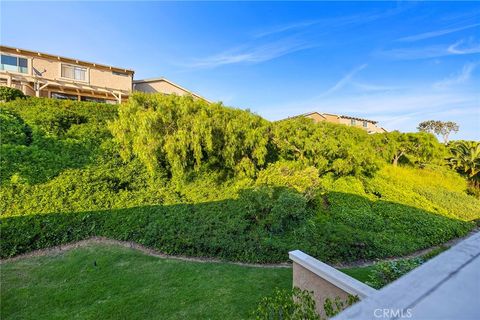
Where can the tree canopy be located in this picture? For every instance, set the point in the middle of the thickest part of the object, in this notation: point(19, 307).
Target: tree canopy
point(173, 135)
point(441, 128)
point(417, 148)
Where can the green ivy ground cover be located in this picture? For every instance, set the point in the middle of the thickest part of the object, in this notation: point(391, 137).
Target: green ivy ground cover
point(71, 170)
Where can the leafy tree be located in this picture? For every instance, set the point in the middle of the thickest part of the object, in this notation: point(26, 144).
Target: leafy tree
point(439, 128)
point(416, 147)
point(325, 146)
point(291, 174)
point(173, 135)
point(446, 129)
point(466, 158)
point(9, 94)
point(427, 126)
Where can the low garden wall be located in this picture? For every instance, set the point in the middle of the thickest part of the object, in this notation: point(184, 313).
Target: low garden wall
point(324, 281)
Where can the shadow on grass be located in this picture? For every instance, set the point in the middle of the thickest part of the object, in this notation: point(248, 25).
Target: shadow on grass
point(259, 226)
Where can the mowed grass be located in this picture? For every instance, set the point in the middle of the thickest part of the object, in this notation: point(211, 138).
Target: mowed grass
point(360, 273)
point(127, 284)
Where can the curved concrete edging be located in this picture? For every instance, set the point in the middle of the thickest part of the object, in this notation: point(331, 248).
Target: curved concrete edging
point(133, 245)
point(156, 253)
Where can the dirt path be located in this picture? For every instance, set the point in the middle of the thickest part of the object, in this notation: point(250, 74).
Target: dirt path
point(132, 245)
point(155, 253)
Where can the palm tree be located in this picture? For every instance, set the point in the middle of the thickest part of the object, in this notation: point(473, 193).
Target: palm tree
point(466, 158)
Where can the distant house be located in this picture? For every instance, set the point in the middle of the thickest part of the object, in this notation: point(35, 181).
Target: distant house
point(163, 85)
point(368, 125)
point(52, 76)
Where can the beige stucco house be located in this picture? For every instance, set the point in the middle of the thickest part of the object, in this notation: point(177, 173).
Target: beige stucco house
point(46, 75)
point(52, 76)
point(163, 85)
point(368, 125)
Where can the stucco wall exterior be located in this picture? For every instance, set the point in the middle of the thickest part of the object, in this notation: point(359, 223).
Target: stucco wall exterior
point(332, 118)
point(316, 117)
point(322, 289)
point(45, 70)
point(162, 85)
point(325, 281)
point(159, 86)
point(371, 126)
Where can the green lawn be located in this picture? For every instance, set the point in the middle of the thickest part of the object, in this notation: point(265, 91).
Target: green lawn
point(127, 284)
point(360, 273)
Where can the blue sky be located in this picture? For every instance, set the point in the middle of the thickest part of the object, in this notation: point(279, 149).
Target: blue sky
point(396, 62)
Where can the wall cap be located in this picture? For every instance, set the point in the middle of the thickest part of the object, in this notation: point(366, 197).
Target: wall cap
point(332, 275)
point(445, 287)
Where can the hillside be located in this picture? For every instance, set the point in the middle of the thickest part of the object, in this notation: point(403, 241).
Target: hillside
point(189, 178)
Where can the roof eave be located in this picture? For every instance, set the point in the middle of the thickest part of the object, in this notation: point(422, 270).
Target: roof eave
point(66, 59)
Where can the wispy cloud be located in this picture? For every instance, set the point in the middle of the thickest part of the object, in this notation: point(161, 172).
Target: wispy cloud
point(368, 87)
point(463, 76)
point(287, 27)
point(461, 47)
point(399, 103)
point(253, 53)
point(344, 81)
point(408, 121)
point(470, 15)
point(284, 39)
point(335, 22)
point(401, 109)
point(437, 33)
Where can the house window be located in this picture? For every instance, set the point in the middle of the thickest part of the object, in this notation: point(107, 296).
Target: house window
point(74, 72)
point(365, 124)
point(91, 99)
point(14, 64)
point(63, 96)
point(353, 122)
point(116, 73)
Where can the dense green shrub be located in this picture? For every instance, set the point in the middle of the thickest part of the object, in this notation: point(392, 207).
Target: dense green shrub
point(387, 272)
point(43, 137)
point(304, 179)
point(13, 129)
point(262, 225)
point(212, 229)
point(418, 148)
point(298, 304)
point(56, 117)
point(235, 194)
point(325, 146)
point(174, 135)
point(436, 190)
point(274, 209)
point(292, 304)
point(332, 307)
point(9, 94)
